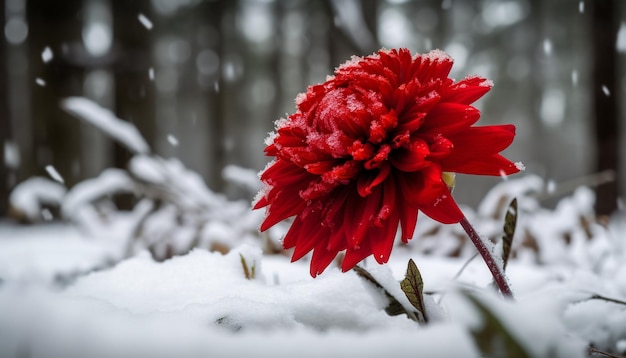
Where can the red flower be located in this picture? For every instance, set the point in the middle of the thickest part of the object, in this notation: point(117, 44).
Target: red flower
point(366, 150)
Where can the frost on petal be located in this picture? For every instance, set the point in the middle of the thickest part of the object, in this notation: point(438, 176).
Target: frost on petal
point(436, 55)
point(443, 209)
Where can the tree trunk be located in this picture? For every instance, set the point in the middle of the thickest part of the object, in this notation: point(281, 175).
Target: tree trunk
point(134, 92)
point(55, 28)
point(605, 106)
point(4, 123)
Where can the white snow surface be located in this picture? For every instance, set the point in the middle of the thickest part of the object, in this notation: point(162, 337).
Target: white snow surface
point(71, 293)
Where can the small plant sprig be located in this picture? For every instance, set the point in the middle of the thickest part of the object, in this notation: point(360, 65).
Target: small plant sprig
point(248, 271)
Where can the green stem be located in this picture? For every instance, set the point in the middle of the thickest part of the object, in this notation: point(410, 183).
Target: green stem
point(496, 270)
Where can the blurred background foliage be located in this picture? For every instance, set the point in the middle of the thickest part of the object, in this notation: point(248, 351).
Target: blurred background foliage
point(204, 80)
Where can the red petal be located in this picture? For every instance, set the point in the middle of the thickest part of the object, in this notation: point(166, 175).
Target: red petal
point(383, 233)
point(354, 255)
point(311, 238)
point(360, 151)
point(342, 172)
point(282, 171)
point(412, 158)
point(281, 209)
point(476, 151)
point(262, 202)
point(271, 150)
point(449, 118)
point(434, 66)
point(322, 257)
point(379, 158)
point(316, 189)
point(426, 102)
point(334, 207)
point(421, 187)
point(319, 168)
point(408, 219)
point(466, 91)
point(441, 147)
point(494, 164)
point(337, 239)
point(383, 239)
point(443, 209)
point(411, 122)
point(483, 140)
point(283, 197)
point(389, 120)
point(359, 213)
point(372, 178)
point(286, 139)
point(293, 234)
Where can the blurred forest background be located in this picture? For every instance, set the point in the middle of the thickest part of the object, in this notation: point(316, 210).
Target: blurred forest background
point(204, 81)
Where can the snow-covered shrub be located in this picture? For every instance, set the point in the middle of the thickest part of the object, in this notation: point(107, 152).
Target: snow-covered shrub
point(564, 234)
point(174, 210)
point(36, 199)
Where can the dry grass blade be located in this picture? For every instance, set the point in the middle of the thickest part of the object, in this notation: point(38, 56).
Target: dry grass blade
point(247, 271)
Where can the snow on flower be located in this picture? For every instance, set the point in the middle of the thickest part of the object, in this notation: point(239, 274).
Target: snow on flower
point(367, 149)
point(47, 54)
point(145, 21)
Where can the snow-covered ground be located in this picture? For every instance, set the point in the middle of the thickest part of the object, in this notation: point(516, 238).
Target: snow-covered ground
point(69, 293)
point(185, 273)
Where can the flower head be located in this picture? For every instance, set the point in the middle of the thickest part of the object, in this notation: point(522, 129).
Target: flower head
point(369, 148)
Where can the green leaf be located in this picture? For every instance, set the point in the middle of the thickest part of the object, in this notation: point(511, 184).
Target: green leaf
point(413, 288)
point(510, 222)
point(493, 339)
point(247, 271)
point(394, 308)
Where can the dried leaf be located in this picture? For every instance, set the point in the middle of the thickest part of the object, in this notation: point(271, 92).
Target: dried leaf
point(413, 287)
point(510, 222)
point(493, 339)
point(394, 308)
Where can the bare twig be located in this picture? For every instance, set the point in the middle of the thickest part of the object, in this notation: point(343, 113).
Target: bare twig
point(593, 352)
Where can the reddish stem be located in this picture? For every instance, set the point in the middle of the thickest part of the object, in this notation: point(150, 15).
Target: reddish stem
point(496, 271)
